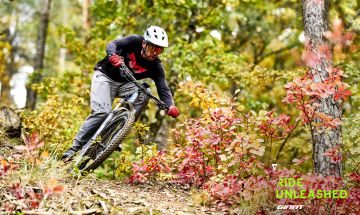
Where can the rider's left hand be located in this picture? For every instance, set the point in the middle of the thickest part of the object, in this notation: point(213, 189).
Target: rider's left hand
point(173, 112)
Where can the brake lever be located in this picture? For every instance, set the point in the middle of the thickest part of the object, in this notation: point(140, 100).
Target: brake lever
point(163, 107)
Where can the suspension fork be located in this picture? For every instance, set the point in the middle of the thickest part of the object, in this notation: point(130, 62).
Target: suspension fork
point(139, 111)
point(132, 99)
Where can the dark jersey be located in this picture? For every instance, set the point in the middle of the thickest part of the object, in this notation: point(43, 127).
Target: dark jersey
point(130, 49)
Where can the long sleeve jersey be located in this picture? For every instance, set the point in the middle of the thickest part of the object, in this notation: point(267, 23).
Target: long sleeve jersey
point(130, 49)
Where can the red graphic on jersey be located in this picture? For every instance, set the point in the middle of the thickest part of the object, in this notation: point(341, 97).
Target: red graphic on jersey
point(133, 65)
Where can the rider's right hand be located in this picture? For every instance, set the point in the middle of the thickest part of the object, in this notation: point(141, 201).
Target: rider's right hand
point(173, 112)
point(116, 60)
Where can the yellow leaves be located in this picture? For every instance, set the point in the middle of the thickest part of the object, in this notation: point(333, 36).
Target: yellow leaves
point(78, 100)
point(262, 83)
point(6, 166)
point(44, 155)
point(217, 178)
point(52, 186)
point(52, 182)
point(244, 144)
point(4, 163)
point(146, 151)
point(202, 97)
point(5, 49)
point(259, 151)
point(141, 129)
point(240, 150)
point(223, 157)
point(222, 169)
point(262, 113)
point(55, 120)
point(240, 107)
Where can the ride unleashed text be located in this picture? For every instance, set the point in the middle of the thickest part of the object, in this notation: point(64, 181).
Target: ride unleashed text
point(293, 193)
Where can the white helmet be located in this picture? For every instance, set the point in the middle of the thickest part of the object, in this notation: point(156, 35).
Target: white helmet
point(156, 36)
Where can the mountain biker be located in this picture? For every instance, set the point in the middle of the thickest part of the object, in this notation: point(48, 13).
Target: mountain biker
point(140, 55)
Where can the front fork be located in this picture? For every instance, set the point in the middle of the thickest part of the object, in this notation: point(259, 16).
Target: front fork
point(140, 109)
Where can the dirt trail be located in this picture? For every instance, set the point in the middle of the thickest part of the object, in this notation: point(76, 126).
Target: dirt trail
point(92, 196)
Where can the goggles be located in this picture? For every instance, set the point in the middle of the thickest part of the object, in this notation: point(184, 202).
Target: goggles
point(155, 49)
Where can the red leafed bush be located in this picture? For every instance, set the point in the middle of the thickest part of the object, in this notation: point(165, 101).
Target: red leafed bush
point(20, 196)
point(222, 149)
point(149, 168)
point(303, 93)
point(5, 166)
point(276, 126)
point(193, 169)
point(221, 156)
point(29, 197)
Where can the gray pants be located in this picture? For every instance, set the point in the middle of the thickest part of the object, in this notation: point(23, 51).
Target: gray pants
point(103, 92)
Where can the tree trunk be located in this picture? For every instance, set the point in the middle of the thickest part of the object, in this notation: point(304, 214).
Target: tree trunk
point(65, 18)
point(8, 66)
point(39, 56)
point(315, 25)
point(86, 17)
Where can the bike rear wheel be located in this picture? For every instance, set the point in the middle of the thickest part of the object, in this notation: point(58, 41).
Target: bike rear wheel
point(107, 141)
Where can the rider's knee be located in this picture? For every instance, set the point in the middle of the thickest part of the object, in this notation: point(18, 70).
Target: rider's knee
point(103, 113)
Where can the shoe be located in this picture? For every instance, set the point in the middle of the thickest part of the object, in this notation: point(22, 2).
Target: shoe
point(68, 154)
point(118, 148)
point(72, 151)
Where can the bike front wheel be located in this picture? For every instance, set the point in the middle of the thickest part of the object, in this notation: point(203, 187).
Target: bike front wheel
point(107, 141)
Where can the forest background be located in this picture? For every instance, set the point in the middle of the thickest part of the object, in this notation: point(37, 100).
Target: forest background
point(232, 67)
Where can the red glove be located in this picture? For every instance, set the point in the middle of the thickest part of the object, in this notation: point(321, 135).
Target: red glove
point(116, 60)
point(173, 112)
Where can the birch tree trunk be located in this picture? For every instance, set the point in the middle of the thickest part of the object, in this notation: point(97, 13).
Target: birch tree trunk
point(315, 25)
point(40, 52)
point(7, 61)
point(65, 18)
point(86, 16)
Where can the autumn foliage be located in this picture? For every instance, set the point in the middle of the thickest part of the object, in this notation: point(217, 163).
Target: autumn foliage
point(223, 149)
point(221, 155)
point(21, 196)
point(223, 144)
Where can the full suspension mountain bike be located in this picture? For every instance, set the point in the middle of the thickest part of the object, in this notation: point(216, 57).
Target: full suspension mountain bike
point(115, 127)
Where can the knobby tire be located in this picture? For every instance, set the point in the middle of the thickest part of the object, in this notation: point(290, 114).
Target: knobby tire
point(115, 141)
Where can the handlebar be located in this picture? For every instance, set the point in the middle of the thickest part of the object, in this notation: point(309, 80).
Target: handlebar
point(160, 104)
